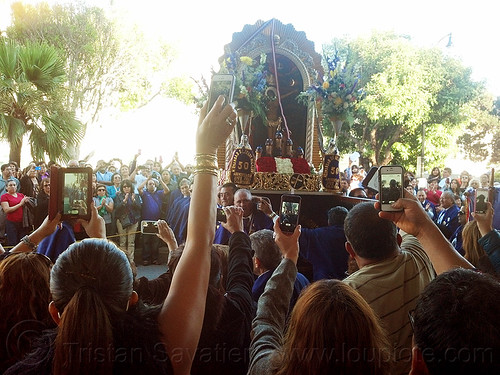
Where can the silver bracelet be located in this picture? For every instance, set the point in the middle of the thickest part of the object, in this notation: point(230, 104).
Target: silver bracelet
point(26, 240)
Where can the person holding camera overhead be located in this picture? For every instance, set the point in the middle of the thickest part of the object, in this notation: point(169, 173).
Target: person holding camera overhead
point(152, 200)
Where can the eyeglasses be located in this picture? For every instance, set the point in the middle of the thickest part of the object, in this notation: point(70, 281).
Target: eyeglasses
point(46, 185)
point(101, 189)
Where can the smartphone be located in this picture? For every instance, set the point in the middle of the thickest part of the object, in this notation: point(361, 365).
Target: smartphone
point(481, 201)
point(289, 212)
point(221, 215)
point(371, 179)
point(222, 84)
point(390, 179)
point(70, 192)
point(149, 227)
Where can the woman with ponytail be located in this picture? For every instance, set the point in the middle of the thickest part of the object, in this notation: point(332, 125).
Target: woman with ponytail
point(102, 327)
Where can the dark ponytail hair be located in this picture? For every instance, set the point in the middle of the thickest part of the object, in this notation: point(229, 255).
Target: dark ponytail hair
point(91, 283)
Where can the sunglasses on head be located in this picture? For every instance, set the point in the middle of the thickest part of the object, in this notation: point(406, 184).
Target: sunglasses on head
point(43, 257)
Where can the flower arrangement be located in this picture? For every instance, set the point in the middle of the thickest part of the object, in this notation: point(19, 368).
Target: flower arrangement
point(335, 96)
point(251, 83)
point(282, 165)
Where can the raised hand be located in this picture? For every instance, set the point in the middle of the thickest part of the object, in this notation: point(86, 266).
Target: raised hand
point(167, 235)
point(214, 127)
point(485, 221)
point(96, 226)
point(234, 222)
point(288, 244)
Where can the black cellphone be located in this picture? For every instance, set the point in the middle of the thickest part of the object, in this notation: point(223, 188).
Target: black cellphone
point(289, 212)
point(149, 227)
point(391, 179)
point(222, 84)
point(70, 193)
point(221, 215)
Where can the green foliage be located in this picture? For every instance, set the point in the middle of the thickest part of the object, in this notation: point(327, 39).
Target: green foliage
point(480, 137)
point(31, 91)
point(108, 64)
point(179, 88)
point(405, 88)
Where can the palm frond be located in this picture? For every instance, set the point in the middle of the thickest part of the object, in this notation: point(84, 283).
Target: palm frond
point(42, 66)
point(8, 59)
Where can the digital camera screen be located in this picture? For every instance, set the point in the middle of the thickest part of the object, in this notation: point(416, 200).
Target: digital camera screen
point(75, 190)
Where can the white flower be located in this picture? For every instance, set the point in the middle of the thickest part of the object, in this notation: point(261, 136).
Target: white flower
point(284, 165)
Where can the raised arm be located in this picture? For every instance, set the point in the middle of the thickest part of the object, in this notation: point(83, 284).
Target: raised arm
point(269, 323)
point(140, 188)
point(181, 316)
point(414, 220)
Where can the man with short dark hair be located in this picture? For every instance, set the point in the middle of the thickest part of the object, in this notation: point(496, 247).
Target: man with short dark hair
point(455, 325)
point(393, 271)
point(324, 247)
point(267, 257)
point(226, 194)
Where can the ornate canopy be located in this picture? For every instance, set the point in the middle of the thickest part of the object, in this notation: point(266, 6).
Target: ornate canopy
point(298, 67)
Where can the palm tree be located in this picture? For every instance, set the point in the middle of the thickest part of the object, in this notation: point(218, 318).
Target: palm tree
point(32, 80)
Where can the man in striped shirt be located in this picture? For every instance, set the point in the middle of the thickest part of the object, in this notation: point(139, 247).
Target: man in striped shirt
point(394, 270)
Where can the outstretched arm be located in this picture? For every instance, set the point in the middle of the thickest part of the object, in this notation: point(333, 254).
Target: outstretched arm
point(181, 317)
point(414, 220)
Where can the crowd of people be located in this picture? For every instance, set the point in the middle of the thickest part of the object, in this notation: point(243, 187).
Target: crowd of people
point(389, 294)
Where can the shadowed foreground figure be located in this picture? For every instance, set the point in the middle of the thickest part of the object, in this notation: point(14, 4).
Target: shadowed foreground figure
point(456, 326)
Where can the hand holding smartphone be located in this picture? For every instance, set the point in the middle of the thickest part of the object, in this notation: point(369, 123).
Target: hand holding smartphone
point(390, 186)
point(481, 203)
point(289, 212)
point(221, 215)
point(222, 84)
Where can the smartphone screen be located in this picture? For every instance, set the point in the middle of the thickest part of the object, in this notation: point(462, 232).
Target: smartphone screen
point(289, 212)
point(391, 186)
point(221, 215)
point(481, 201)
point(222, 84)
